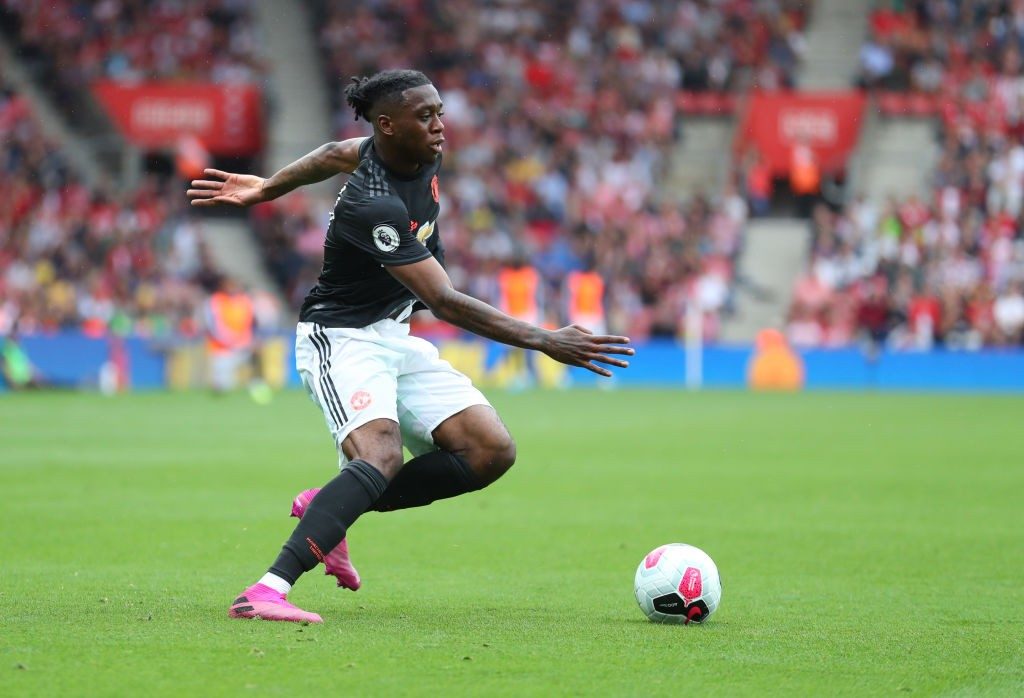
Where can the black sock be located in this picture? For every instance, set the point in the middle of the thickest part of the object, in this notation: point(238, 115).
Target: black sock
point(427, 478)
point(327, 518)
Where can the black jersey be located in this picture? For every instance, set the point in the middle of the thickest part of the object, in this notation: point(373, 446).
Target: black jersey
point(380, 219)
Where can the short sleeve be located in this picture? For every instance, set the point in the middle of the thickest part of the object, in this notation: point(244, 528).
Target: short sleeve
point(380, 227)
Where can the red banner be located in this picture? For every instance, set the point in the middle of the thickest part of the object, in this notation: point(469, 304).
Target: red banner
point(827, 122)
point(228, 119)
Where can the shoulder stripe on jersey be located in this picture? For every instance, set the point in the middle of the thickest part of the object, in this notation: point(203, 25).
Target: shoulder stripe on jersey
point(330, 393)
point(370, 189)
point(376, 183)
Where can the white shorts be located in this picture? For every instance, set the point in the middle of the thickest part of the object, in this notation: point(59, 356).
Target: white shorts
point(224, 367)
point(380, 371)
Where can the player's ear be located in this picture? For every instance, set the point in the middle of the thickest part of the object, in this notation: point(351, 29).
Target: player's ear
point(385, 125)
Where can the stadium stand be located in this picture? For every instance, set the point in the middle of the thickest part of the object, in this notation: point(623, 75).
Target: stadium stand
point(67, 47)
point(559, 116)
point(911, 275)
point(100, 259)
point(960, 61)
point(946, 269)
point(75, 258)
point(210, 40)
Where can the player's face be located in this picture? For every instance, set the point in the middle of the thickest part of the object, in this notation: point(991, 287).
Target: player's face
point(418, 127)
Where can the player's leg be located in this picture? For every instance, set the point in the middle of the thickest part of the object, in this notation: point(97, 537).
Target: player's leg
point(430, 475)
point(309, 362)
point(466, 452)
point(478, 436)
point(459, 443)
point(375, 455)
point(473, 449)
point(374, 451)
point(338, 562)
point(370, 439)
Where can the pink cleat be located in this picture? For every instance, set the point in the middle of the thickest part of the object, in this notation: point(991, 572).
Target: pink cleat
point(261, 602)
point(336, 562)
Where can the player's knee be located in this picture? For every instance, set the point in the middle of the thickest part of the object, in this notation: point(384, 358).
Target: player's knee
point(495, 456)
point(379, 443)
point(387, 462)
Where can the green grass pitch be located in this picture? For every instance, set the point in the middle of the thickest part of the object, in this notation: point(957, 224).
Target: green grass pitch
point(869, 545)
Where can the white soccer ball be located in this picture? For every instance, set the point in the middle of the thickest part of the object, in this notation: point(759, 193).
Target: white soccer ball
point(677, 583)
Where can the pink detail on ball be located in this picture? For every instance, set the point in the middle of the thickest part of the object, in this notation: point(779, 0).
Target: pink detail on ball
point(690, 586)
point(652, 557)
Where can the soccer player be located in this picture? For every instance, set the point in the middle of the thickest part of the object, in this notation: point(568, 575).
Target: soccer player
point(377, 385)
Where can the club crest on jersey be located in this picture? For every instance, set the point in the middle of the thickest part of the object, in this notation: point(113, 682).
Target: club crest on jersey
point(385, 238)
point(425, 232)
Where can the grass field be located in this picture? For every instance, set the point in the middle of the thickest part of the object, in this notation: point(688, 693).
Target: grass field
point(868, 544)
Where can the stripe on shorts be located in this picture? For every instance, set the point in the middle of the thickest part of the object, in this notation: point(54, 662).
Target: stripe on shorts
point(330, 393)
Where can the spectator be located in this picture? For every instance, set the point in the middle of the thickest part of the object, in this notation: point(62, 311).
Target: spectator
point(804, 177)
point(1008, 312)
point(230, 326)
point(873, 313)
point(876, 62)
point(758, 183)
point(16, 369)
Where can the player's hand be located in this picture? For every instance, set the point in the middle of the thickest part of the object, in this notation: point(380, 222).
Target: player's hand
point(578, 346)
point(227, 188)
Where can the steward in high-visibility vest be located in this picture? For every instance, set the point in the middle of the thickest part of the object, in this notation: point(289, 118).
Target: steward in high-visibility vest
point(229, 337)
point(231, 321)
point(804, 173)
point(584, 291)
point(519, 295)
point(519, 290)
point(774, 365)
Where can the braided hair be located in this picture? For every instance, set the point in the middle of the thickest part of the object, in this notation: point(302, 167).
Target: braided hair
point(365, 93)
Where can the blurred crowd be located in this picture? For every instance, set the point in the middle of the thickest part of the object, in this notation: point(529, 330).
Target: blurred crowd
point(947, 269)
point(560, 119)
point(66, 45)
point(958, 59)
point(74, 258)
point(911, 275)
point(132, 40)
point(932, 45)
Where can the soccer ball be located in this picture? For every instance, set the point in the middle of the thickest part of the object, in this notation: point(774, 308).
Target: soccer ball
point(677, 583)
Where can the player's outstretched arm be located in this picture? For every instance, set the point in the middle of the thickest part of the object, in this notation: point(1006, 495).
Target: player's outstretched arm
point(573, 345)
point(232, 189)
